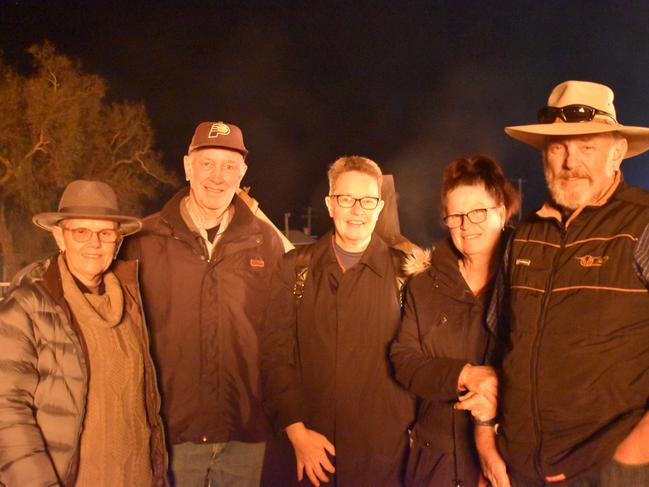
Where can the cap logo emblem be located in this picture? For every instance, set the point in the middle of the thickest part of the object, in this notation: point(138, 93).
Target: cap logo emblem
point(525, 262)
point(592, 261)
point(217, 129)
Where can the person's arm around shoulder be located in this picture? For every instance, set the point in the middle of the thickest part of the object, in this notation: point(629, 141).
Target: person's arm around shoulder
point(23, 456)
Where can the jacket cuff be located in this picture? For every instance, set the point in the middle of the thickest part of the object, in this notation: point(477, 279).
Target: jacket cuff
point(289, 411)
point(438, 379)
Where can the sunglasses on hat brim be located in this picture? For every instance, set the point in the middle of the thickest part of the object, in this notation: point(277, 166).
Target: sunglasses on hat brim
point(570, 114)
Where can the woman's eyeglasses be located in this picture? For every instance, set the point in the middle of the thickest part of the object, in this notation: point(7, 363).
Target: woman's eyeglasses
point(81, 235)
point(474, 216)
point(346, 201)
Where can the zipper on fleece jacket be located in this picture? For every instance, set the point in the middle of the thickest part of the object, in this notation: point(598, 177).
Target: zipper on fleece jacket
point(534, 363)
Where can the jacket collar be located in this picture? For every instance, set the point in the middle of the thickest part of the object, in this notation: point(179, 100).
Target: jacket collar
point(126, 272)
point(373, 256)
point(551, 210)
point(170, 214)
point(241, 222)
point(172, 218)
point(445, 259)
point(51, 281)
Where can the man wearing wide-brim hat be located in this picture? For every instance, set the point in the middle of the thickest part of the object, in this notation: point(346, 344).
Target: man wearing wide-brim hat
point(575, 377)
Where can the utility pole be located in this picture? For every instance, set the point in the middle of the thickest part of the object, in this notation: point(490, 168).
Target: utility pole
point(287, 215)
point(520, 192)
point(308, 216)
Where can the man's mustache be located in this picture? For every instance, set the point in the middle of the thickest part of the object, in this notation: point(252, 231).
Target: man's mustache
point(576, 173)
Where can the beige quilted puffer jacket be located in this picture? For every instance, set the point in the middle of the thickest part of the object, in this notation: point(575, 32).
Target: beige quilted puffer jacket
point(44, 378)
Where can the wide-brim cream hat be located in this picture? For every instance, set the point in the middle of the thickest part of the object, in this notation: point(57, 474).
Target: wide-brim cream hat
point(587, 95)
point(94, 200)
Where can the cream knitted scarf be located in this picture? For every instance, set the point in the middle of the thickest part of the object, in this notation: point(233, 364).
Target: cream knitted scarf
point(106, 312)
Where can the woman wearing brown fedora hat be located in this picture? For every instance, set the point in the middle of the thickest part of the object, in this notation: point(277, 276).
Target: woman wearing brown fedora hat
point(443, 343)
point(78, 396)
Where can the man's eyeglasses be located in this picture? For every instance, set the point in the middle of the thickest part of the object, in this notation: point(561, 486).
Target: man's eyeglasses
point(571, 114)
point(346, 201)
point(81, 235)
point(474, 216)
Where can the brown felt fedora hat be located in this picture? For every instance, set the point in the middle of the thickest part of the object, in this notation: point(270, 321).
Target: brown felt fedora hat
point(88, 200)
point(581, 97)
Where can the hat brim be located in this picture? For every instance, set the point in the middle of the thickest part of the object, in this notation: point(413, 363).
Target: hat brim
point(243, 152)
point(127, 224)
point(535, 135)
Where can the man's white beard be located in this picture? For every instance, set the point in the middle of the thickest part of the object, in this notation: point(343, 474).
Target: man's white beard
point(570, 199)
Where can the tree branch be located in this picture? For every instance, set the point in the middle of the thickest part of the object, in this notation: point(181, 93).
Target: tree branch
point(9, 169)
point(39, 147)
point(137, 159)
point(53, 79)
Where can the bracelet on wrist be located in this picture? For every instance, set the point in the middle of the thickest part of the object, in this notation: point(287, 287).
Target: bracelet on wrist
point(488, 422)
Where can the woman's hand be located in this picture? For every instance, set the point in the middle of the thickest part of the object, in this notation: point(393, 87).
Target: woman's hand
point(311, 450)
point(479, 379)
point(480, 407)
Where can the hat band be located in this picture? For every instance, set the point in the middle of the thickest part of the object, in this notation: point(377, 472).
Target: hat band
point(603, 121)
point(89, 210)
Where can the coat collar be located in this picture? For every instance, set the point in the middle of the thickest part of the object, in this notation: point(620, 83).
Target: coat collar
point(444, 261)
point(175, 224)
point(444, 266)
point(51, 281)
point(373, 257)
point(126, 272)
point(550, 210)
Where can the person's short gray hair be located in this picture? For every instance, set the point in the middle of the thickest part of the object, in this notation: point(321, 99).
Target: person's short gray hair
point(354, 163)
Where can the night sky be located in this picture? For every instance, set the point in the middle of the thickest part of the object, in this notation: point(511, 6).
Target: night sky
point(411, 85)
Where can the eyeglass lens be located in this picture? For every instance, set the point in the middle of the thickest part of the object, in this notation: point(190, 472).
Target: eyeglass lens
point(107, 235)
point(474, 216)
point(366, 202)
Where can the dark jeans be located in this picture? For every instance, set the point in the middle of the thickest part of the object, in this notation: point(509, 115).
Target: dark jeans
point(613, 474)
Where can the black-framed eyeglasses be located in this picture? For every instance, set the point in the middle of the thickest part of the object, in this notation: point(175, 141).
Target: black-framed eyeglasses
point(347, 201)
point(571, 114)
point(82, 235)
point(474, 216)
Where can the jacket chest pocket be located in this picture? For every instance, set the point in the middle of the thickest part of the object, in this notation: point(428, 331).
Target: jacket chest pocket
point(249, 261)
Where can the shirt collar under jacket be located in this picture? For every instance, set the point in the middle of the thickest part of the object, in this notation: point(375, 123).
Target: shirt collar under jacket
point(191, 221)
